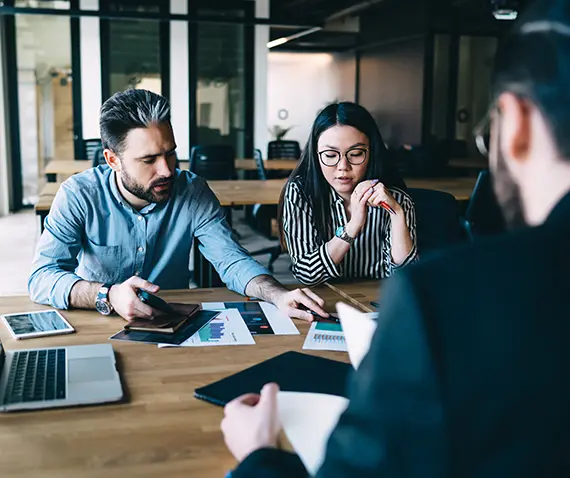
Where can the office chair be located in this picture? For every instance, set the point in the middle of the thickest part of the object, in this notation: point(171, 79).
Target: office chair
point(283, 149)
point(263, 215)
point(438, 223)
point(213, 162)
point(98, 157)
point(483, 215)
point(93, 151)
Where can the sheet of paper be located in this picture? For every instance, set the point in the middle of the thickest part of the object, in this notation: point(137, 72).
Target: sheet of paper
point(325, 336)
point(359, 328)
point(308, 420)
point(261, 318)
point(228, 328)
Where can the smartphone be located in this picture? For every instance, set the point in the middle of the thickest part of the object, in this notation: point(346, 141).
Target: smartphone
point(154, 301)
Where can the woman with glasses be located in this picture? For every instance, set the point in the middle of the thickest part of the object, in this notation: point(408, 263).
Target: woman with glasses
point(341, 214)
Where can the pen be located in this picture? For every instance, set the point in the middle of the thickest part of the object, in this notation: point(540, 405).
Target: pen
point(320, 318)
point(375, 304)
point(388, 208)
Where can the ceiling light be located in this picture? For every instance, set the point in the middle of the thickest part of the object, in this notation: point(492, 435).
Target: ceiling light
point(277, 42)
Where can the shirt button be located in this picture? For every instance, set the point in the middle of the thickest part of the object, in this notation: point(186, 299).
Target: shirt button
point(141, 249)
point(137, 273)
point(140, 218)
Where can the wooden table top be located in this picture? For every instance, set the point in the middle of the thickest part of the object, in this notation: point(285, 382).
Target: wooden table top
point(161, 430)
point(70, 167)
point(469, 163)
point(253, 191)
point(460, 188)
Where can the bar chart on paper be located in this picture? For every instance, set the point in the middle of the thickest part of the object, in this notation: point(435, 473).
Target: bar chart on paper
point(325, 336)
point(228, 328)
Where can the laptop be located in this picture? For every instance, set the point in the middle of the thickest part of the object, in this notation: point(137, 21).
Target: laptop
point(35, 379)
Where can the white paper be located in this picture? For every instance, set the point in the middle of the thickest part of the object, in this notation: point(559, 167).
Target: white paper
point(358, 329)
point(228, 328)
point(325, 336)
point(308, 420)
point(279, 322)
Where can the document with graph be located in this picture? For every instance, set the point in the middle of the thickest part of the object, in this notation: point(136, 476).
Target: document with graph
point(325, 336)
point(228, 328)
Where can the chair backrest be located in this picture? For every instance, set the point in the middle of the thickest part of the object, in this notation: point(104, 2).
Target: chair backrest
point(283, 149)
point(262, 174)
point(90, 148)
point(483, 214)
point(98, 157)
point(213, 162)
point(437, 219)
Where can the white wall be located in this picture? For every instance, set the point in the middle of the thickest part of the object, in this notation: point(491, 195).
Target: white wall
point(90, 70)
point(260, 133)
point(303, 84)
point(179, 80)
point(4, 135)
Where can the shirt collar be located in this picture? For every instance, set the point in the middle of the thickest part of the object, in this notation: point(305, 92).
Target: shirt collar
point(119, 197)
point(560, 215)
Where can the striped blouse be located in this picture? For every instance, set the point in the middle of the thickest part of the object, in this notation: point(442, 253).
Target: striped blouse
point(369, 257)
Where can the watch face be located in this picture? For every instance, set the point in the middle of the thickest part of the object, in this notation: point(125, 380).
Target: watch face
point(339, 231)
point(103, 307)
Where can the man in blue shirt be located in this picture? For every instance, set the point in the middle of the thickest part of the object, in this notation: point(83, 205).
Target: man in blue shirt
point(130, 225)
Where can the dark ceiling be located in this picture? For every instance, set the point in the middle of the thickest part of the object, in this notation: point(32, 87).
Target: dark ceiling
point(382, 19)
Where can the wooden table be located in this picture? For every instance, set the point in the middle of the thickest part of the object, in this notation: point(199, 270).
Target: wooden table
point(460, 188)
point(161, 430)
point(473, 165)
point(71, 167)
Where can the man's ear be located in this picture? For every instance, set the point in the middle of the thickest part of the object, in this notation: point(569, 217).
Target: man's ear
point(112, 160)
point(515, 127)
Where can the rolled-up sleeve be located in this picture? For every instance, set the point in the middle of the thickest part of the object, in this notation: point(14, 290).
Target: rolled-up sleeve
point(55, 261)
point(410, 214)
point(311, 261)
point(219, 245)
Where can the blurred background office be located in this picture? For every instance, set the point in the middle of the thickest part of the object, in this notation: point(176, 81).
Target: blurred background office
point(240, 74)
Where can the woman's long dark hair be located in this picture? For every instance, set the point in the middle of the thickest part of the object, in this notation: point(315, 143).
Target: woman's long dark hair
point(309, 177)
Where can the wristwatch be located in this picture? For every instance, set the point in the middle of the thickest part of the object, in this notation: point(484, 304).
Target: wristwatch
point(342, 234)
point(102, 303)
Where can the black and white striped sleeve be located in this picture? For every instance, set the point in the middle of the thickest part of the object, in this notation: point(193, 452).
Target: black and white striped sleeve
point(410, 213)
point(311, 261)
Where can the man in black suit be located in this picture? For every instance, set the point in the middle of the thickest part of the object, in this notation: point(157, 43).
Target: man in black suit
point(468, 374)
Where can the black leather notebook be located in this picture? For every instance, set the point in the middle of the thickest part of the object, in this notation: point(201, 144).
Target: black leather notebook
point(292, 371)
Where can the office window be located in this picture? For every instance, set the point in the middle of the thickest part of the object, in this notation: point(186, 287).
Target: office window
point(131, 49)
point(220, 93)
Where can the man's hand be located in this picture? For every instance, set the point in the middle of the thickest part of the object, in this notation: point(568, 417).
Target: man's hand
point(295, 303)
point(124, 299)
point(251, 422)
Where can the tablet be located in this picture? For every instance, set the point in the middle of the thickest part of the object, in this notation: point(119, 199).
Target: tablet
point(26, 325)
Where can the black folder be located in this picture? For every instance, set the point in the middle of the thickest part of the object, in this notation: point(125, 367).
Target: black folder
point(292, 371)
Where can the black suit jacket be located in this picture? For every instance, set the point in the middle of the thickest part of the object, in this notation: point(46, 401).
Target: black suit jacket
point(468, 374)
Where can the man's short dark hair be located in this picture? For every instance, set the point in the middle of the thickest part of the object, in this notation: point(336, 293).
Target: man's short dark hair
point(128, 110)
point(533, 62)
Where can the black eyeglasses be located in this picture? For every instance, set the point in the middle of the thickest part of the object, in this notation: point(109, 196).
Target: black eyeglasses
point(331, 157)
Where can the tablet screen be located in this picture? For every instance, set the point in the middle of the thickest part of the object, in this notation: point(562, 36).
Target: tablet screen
point(48, 321)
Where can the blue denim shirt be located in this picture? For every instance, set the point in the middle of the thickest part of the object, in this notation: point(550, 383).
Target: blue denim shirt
point(92, 233)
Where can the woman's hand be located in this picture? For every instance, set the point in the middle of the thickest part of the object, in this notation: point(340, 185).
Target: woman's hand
point(358, 207)
point(382, 195)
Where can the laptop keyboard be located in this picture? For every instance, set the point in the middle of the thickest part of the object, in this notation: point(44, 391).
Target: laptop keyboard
point(37, 375)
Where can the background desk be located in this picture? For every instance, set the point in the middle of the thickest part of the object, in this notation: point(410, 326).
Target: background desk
point(162, 430)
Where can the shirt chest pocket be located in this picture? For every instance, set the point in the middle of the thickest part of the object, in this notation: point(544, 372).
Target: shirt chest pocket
point(103, 263)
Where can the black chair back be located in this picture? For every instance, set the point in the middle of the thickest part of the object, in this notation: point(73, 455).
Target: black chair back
point(438, 222)
point(98, 157)
point(213, 162)
point(261, 172)
point(283, 149)
point(483, 215)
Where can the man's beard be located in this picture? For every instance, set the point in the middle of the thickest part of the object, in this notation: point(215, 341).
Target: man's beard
point(147, 194)
point(508, 195)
